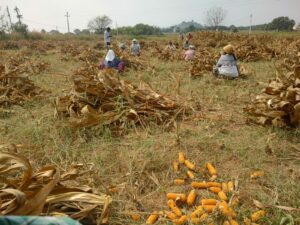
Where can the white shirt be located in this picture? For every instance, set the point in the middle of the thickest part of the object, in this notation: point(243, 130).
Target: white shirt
point(106, 36)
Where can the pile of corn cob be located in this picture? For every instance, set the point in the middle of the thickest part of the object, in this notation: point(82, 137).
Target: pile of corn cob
point(192, 209)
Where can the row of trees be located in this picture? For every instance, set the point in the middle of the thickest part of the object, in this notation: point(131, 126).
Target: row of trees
point(214, 18)
point(98, 25)
point(277, 24)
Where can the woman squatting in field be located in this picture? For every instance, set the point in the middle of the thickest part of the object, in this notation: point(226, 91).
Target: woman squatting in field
point(190, 53)
point(111, 61)
point(227, 65)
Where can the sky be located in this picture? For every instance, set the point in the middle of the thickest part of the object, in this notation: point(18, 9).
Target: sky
point(50, 14)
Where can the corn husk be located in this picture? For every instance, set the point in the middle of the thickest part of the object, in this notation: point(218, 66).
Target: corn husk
point(279, 102)
point(25, 192)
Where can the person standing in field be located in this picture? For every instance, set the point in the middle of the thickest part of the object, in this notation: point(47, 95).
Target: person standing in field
point(189, 36)
point(135, 48)
point(181, 37)
point(107, 37)
point(227, 64)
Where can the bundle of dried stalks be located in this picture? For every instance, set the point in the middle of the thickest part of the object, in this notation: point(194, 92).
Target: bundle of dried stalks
point(70, 49)
point(89, 55)
point(23, 64)
point(203, 63)
point(167, 54)
point(279, 102)
point(109, 100)
point(15, 88)
point(131, 61)
point(10, 45)
point(251, 51)
point(25, 192)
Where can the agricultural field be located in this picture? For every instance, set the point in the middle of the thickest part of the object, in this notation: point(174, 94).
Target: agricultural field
point(112, 141)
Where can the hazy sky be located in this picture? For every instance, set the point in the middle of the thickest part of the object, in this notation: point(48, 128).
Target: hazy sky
point(49, 14)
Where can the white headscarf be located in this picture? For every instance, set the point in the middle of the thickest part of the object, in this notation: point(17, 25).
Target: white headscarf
point(110, 55)
point(192, 47)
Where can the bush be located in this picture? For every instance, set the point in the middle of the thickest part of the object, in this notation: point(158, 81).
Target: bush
point(35, 35)
point(140, 29)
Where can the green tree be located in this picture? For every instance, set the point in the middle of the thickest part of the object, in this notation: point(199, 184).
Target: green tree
point(144, 29)
point(98, 24)
point(77, 31)
point(282, 24)
point(85, 31)
point(21, 28)
point(233, 29)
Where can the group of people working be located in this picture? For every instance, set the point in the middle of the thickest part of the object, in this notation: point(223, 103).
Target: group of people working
point(226, 66)
point(111, 60)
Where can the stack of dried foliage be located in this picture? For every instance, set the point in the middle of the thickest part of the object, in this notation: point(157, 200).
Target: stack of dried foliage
point(279, 102)
point(24, 191)
point(248, 49)
point(89, 55)
point(23, 64)
point(131, 61)
point(10, 45)
point(251, 50)
point(203, 63)
point(14, 87)
point(111, 101)
point(167, 54)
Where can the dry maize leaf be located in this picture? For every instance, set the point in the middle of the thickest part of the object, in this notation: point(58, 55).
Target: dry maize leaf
point(296, 115)
point(103, 219)
point(84, 213)
point(10, 161)
point(259, 204)
point(9, 148)
point(18, 200)
point(41, 193)
point(263, 120)
point(78, 197)
point(275, 114)
point(35, 205)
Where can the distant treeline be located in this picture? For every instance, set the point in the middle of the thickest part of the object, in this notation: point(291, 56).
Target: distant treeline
point(278, 24)
point(139, 29)
point(20, 30)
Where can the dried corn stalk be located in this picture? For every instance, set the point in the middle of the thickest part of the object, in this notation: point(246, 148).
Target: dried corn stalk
point(279, 102)
point(111, 101)
point(203, 63)
point(167, 54)
point(15, 88)
point(25, 192)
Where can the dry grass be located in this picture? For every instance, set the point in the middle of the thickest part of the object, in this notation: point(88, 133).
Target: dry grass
point(139, 164)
